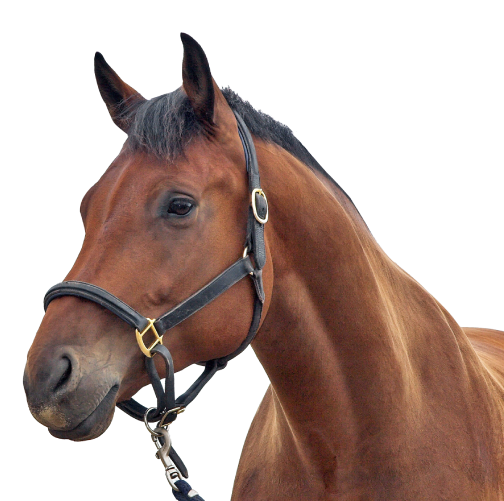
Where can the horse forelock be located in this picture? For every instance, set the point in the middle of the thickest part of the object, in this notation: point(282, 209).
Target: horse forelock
point(164, 126)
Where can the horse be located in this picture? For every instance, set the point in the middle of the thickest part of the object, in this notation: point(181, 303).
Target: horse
point(376, 392)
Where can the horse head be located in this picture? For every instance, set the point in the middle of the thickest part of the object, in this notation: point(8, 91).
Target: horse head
point(168, 215)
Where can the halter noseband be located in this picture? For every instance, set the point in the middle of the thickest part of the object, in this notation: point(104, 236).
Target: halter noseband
point(167, 405)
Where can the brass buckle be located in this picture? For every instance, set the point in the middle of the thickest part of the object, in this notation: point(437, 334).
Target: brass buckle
point(139, 336)
point(176, 410)
point(260, 192)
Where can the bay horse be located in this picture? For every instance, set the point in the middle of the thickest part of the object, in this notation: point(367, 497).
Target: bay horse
point(376, 392)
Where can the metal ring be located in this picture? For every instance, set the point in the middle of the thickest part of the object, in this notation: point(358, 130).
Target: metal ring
point(146, 422)
point(245, 254)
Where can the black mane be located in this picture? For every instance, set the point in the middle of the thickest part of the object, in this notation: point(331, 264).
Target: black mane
point(166, 125)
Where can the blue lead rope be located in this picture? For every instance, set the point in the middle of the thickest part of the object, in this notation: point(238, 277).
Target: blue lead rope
point(186, 492)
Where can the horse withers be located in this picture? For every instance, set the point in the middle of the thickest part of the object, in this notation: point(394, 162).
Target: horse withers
point(376, 392)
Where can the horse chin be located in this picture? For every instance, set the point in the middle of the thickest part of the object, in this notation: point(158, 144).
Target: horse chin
point(95, 424)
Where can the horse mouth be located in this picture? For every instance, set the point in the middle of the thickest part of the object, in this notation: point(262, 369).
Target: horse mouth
point(95, 424)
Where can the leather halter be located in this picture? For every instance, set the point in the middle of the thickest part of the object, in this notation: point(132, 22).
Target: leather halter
point(167, 404)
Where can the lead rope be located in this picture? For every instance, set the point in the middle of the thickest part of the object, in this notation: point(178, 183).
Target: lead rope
point(186, 492)
point(175, 468)
point(175, 471)
point(165, 452)
point(181, 488)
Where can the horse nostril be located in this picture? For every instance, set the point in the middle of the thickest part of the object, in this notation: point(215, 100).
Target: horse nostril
point(64, 367)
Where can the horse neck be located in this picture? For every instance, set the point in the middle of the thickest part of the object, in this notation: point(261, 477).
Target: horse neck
point(347, 331)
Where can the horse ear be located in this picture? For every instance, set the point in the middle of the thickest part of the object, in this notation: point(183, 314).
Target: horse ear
point(197, 80)
point(119, 97)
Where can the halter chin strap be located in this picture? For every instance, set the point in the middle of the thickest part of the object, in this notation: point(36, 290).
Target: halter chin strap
point(167, 405)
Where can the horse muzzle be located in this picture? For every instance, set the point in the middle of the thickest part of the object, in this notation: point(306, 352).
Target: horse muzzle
point(72, 398)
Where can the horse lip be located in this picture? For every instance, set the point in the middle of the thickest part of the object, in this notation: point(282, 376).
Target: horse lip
point(84, 430)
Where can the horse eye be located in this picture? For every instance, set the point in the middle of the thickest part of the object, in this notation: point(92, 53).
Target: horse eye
point(180, 207)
